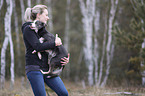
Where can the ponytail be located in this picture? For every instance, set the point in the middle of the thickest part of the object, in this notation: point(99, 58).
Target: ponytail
point(27, 16)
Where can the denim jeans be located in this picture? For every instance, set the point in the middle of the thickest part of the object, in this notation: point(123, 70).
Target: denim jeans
point(37, 79)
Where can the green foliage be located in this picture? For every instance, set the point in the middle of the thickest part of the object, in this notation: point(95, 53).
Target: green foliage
point(133, 40)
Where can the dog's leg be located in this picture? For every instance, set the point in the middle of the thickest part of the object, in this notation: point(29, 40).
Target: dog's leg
point(39, 55)
point(34, 52)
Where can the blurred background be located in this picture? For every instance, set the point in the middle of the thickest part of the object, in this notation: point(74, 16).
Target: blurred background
point(105, 39)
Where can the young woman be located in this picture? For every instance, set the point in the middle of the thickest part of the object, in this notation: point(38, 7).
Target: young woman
point(33, 63)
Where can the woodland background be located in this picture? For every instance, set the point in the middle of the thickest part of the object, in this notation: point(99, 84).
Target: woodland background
point(105, 39)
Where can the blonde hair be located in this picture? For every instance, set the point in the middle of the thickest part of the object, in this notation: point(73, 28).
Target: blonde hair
point(31, 13)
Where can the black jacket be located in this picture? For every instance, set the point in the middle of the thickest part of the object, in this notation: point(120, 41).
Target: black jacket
point(31, 40)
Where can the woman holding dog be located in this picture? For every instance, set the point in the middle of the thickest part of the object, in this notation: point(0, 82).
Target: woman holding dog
point(33, 63)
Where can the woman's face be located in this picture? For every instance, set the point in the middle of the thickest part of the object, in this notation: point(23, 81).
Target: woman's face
point(44, 16)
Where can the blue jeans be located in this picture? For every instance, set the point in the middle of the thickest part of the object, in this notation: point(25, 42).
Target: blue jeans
point(37, 79)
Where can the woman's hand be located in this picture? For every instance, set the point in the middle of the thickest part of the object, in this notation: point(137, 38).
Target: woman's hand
point(65, 60)
point(57, 40)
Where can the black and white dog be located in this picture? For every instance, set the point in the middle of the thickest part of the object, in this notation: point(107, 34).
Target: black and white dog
point(54, 56)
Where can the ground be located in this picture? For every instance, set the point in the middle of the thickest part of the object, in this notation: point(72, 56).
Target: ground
point(74, 89)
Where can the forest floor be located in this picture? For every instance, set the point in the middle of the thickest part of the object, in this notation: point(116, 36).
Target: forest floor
point(74, 90)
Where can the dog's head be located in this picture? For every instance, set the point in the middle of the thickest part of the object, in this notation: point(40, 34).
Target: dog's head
point(36, 25)
point(39, 24)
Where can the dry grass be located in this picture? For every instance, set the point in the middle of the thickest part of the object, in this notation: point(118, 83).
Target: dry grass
point(73, 89)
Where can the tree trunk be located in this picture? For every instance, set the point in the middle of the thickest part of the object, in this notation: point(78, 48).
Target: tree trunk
point(17, 39)
point(38, 1)
point(12, 61)
point(50, 23)
point(22, 10)
point(5, 44)
point(1, 4)
point(110, 46)
point(96, 53)
point(88, 11)
point(9, 2)
point(3, 57)
point(29, 3)
point(66, 37)
point(103, 53)
point(67, 25)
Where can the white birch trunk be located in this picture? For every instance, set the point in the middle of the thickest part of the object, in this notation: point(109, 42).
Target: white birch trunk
point(12, 61)
point(1, 4)
point(29, 3)
point(5, 44)
point(67, 25)
point(50, 23)
point(66, 35)
point(88, 11)
point(110, 47)
point(22, 10)
point(103, 53)
point(38, 1)
point(17, 37)
point(10, 3)
point(96, 53)
point(3, 57)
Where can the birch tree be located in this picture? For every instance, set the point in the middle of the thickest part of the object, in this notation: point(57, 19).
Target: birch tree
point(103, 54)
point(38, 2)
point(22, 10)
point(7, 39)
point(110, 46)
point(96, 53)
point(17, 35)
point(88, 11)
point(3, 59)
point(50, 23)
point(1, 4)
point(66, 34)
point(29, 3)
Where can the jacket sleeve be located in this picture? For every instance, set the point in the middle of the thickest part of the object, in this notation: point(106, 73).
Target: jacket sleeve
point(33, 40)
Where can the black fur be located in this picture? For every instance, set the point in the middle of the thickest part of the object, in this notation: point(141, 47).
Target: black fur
point(60, 51)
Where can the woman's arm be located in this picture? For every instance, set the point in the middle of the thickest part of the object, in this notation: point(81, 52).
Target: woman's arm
point(33, 40)
point(49, 37)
